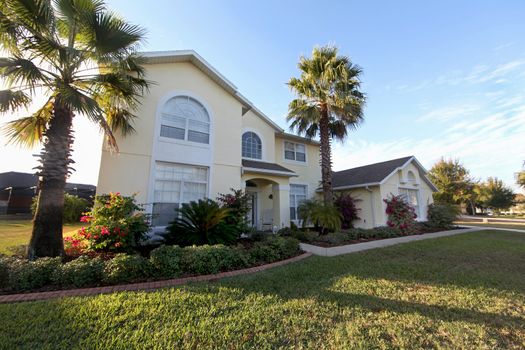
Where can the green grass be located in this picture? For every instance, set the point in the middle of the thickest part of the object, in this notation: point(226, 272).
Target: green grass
point(465, 291)
point(518, 226)
point(17, 232)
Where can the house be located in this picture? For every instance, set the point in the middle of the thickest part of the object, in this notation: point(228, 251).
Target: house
point(371, 184)
point(198, 137)
point(18, 189)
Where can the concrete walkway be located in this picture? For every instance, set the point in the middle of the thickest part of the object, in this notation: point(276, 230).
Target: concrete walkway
point(358, 247)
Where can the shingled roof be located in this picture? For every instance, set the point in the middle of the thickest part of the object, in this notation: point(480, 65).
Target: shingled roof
point(372, 174)
point(264, 167)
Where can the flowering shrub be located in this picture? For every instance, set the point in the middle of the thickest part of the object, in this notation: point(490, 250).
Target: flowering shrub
point(237, 204)
point(401, 215)
point(74, 245)
point(115, 225)
point(346, 205)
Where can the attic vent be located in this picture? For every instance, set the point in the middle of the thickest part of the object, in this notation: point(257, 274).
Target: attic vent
point(245, 110)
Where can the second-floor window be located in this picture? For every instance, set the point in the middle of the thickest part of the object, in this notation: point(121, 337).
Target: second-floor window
point(184, 118)
point(294, 151)
point(251, 145)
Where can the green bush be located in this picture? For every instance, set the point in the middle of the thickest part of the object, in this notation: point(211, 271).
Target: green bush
point(334, 238)
point(212, 259)
point(4, 273)
point(199, 223)
point(127, 268)
point(81, 272)
point(324, 217)
point(74, 207)
point(166, 261)
point(273, 249)
point(442, 215)
point(26, 275)
point(385, 232)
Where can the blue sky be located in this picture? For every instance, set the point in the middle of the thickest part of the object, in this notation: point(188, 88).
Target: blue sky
point(443, 78)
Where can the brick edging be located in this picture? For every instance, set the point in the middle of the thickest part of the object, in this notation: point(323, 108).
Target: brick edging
point(144, 286)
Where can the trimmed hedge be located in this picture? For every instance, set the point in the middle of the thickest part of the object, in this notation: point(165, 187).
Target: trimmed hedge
point(164, 262)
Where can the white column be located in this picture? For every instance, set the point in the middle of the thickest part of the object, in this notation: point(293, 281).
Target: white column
point(281, 205)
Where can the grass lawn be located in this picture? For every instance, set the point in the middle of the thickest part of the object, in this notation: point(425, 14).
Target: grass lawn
point(513, 225)
point(18, 232)
point(465, 291)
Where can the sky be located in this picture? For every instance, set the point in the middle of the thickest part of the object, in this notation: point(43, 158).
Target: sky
point(442, 78)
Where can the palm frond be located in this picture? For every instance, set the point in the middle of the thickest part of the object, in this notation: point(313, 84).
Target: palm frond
point(29, 131)
point(11, 100)
point(20, 71)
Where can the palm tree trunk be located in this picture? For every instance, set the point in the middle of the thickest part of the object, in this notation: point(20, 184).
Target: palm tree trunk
point(46, 238)
point(326, 156)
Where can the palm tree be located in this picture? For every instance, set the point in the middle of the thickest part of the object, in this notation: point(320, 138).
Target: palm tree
point(82, 60)
point(328, 103)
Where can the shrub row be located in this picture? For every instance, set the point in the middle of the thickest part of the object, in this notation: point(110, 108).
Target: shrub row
point(164, 262)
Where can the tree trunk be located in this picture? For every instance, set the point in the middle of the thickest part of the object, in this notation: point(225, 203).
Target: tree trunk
point(46, 238)
point(326, 156)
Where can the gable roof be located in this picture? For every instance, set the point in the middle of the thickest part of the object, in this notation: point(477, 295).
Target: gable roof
point(17, 179)
point(158, 57)
point(375, 174)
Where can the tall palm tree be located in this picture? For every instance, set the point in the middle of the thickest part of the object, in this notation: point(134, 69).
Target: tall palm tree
point(82, 60)
point(328, 103)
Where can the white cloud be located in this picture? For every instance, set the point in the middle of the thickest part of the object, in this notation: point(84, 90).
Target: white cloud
point(448, 113)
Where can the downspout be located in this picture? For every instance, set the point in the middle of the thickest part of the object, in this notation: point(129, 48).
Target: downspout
point(372, 205)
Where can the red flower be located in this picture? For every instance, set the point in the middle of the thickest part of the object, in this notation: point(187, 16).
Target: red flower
point(104, 231)
point(85, 218)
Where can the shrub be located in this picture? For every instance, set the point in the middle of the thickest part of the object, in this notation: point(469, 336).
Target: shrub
point(25, 274)
point(115, 224)
point(166, 261)
point(385, 232)
point(127, 268)
point(81, 272)
point(237, 204)
point(258, 236)
point(325, 217)
point(74, 207)
point(4, 273)
point(199, 223)
point(74, 245)
point(208, 259)
point(345, 203)
point(273, 249)
point(400, 215)
point(335, 238)
point(442, 215)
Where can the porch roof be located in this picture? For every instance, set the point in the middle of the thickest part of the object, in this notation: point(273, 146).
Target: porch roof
point(266, 168)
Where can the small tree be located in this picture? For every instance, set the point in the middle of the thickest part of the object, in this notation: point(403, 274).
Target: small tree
point(452, 180)
point(324, 217)
point(495, 195)
point(237, 204)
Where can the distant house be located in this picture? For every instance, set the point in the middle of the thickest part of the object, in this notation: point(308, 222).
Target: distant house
point(17, 190)
point(371, 184)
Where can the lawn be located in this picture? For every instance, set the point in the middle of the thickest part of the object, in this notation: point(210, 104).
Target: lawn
point(513, 225)
point(464, 291)
point(17, 232)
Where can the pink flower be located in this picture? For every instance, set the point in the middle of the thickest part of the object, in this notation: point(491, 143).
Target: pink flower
point(104, 231)
point(85, 218)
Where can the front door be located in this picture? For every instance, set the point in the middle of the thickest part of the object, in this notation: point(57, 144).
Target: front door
point(252, 213)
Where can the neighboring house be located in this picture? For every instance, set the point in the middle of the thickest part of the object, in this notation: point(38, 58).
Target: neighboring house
point(371, 184)
point(197, 136)
point(18, 189)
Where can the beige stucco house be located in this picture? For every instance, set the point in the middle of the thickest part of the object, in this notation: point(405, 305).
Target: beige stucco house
point(371, 184)
point(197, 136)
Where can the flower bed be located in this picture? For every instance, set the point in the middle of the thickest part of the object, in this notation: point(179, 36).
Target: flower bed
point(359, 235)
point(164, 262)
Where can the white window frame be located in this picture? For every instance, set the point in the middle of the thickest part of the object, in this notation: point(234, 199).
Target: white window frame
point(295, 161)
point(182, 200)
point(305, 186)
point(403, 191)
point(242, 145)
point(168, 123)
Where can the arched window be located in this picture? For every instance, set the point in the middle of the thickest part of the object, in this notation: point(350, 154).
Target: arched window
point(411, 177)
point(184, 118)
point(251, 145)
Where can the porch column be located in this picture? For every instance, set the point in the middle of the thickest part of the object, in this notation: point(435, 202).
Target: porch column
point(281, 205)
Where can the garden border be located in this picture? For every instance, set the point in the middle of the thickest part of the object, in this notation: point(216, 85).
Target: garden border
point(380, 243)
point(143, 286)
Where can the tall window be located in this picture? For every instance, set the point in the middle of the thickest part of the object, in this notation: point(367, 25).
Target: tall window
point(176, 184)
point(184, 118)
point(294, 151)
point(297, 195)
point(411, 177)
point(411, 196)
point(251, 145)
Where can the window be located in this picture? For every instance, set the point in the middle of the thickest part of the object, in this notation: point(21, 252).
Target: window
point(294, 151)
point(411, 196)
point(251, 145)
point(411, 177)
point(184, 118)
point(176, 184)
point(297, 195)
